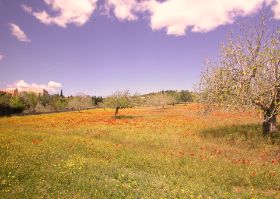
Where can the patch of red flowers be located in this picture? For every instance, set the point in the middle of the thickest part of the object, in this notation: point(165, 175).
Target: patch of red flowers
point(36, 141)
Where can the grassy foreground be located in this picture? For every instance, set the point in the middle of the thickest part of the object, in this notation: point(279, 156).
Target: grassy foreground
point(173, 153)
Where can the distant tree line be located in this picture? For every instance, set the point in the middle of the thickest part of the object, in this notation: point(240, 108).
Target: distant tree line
point(168, 97)
point(124, 99)
point(28, 102)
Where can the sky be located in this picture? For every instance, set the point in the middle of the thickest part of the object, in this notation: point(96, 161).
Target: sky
point(100, 46)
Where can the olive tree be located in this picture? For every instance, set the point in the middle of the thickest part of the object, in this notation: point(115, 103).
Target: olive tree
point(119, 100)
point(247, 74)
point(185, 96)
point(160, 100)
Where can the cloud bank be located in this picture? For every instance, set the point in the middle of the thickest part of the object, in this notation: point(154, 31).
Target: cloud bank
point(1, 57)
point(18, 33)
point(22, 85)
point(176, 17)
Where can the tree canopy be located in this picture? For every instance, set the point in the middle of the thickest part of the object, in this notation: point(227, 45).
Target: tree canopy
point(247, 75)
point(119, 100)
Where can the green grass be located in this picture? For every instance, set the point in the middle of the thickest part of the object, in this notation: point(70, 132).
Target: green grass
point(176, 153)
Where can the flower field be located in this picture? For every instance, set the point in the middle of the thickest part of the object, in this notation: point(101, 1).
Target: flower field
point(179, 152)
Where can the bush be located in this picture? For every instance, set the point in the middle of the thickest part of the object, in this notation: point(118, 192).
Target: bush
point(6, 110)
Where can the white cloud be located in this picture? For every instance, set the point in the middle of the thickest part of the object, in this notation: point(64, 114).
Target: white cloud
point(54, 85)
point(276, 9)
point(22, 85)
point(18, 33)
point(1, 57)
point(77, 12)
point(123, 9)
point(177, 16)
point(26, 8)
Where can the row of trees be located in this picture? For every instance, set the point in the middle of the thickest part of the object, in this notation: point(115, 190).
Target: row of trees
point(31, 102)
point(169, 97)
point(124, 99)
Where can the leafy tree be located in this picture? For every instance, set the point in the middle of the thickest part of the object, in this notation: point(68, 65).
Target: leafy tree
point(44, 99)
point(57, 102)
point(10, 104)
point(17, 102)
point(5, 108)
point(185, 96)
point(119, 100)
point(30, 100)
point(96, 100)
point(247, 76)
point(5, 98)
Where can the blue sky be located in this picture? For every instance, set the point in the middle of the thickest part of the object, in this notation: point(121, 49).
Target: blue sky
point(102, 46)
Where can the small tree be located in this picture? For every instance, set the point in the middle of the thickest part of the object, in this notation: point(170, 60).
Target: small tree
point(119, 100)
point(185, 96)
point(61, 93)
point(160, 100)
point(247, 76)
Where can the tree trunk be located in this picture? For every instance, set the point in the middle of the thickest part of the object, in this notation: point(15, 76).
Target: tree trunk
point(269, 124)
point(116, 111)
point(185, 103)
